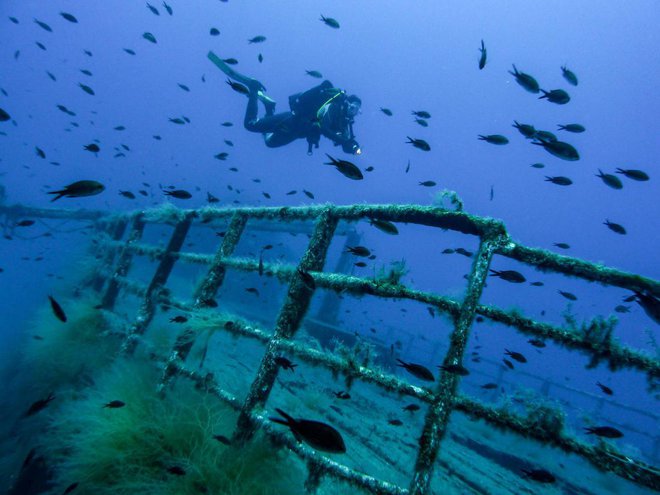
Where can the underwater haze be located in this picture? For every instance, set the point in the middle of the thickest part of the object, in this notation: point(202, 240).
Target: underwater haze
point(124, 94)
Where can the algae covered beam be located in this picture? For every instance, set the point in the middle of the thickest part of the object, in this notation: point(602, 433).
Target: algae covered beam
point(124, 263)
point(437, 417)
point(288, 321)
point(148, 306)
point(115, 229)
point(549, 261)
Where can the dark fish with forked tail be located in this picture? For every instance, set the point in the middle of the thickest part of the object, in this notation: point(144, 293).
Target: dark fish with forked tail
point(320, 436)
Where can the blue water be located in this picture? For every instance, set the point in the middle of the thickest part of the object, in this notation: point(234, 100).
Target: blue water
point(400, 55)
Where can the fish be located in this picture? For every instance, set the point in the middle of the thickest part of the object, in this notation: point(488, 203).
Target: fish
point(168, 8)
point(569, 75)
point(14, 20)
point(358, 251)
point(536, 343)
point(129, 51)
point(419, 144)
point(214, 31)
point(417, 370)
point(41, 45)
point(177, 470)
point(79, 189)
point(153, 9)
point(360, 264)
point(482, 57)
point(127, 194)
point(238, 87)
point(605, 389)
point(610, 180)
point(638, 175)
point(292, 192)
point(411, 408)
point(545, 136)
point(408, 167)
point(494, 139)
point(86, 72)
point(455, 369)
point(562, 245)
point(40, 153)
point(260, 58)
point(576, 128)
point(252, 290)
point(568, 295)
point(329, 21)
point(526, 130)
point(525, 80)
point(94, 148)
point(43, 26)
point(149, 37)
point(24, 223)
point(342, 395)
point(114, 404)
point(421, 114)
point(559, 149)
point(308, 194)
point(69, 17)
point(257, 39)
point(87, 52)
point(307, 279)
point(558, 96)
point(384, 226)
point(489, 386)
point(260, 268)
point(508, 363)
point(314, 73)
point(386, 111)
point(229, 142)
point(516, 356)
point(464, 252)
point(509, 276)
point(177, 121)
point(428, 183)
point(615, 227)
point(559, 180)
point(422, 122)
point(604, 431)
point(346, 168)
point(119, 128)
point(320, 436)
point(178, 319)
point(622, 309)
point(222, 439)
point(540, 475)
point(183, 87)
point(39, 405)
point(4, 116)
point(57, 309)
point(285, 363)
point(395, 422)
point(650, 304)
point(86, 89)
point(178, 194)
point(70, 488)
point(226, 124)
point(221, 156)
point(448, 251)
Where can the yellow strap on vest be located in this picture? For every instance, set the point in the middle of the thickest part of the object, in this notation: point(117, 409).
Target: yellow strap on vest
point(318, 112)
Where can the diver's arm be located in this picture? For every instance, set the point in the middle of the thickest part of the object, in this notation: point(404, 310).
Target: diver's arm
point(343, 138)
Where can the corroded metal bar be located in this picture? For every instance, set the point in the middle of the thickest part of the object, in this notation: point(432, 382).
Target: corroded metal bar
point(605, 458)
point(148, 306)
point(115, 231)
point(288, 321)
point(206, 291)
point(63, 214)
point(594, 272)
point(124, 263)
point(216, 275)
point(437, 417)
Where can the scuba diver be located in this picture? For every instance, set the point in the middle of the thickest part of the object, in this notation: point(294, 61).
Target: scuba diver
point(321, 110)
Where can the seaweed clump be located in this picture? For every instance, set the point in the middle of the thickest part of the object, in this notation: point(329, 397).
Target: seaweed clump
point(362, 354)
point(391, 275)
point(176, 445)
point(441, 198)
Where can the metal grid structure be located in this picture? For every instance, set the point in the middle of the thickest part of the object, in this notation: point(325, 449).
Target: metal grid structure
point(442, 400)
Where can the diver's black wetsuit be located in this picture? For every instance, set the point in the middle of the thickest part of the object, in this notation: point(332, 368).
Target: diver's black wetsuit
point(318, 111)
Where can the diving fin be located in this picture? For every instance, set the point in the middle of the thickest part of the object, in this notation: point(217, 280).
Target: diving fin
point(236, 76)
